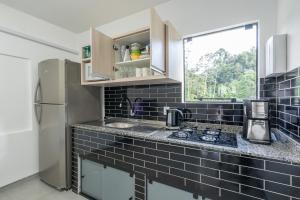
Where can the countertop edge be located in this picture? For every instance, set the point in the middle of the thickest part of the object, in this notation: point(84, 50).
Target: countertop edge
point(161, 136)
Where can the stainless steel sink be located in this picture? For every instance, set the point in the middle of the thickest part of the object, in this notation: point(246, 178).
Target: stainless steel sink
point(121, 125)
point(135, 126)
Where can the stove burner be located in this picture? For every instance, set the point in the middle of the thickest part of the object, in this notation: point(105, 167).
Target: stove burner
point(212, 132)
point(182, 134)
point(208, 136)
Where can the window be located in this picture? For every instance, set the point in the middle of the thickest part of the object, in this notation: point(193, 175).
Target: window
point(221, 65)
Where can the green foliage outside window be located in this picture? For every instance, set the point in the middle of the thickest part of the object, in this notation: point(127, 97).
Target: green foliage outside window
point(222, 75)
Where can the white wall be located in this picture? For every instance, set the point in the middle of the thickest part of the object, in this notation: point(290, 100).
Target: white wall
point(19, 148)
point(289, 23)
point(27, 24)
point(198, 16)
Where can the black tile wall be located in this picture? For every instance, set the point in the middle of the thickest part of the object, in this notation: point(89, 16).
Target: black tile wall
point(208, 173)
point(284, 93)
point(155, 97)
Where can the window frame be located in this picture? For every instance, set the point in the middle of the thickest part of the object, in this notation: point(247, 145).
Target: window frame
point(218, 31)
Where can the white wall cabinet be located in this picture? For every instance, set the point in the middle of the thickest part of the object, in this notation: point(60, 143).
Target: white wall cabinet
point(105, 183)
point(163, 65)
point(276, 56)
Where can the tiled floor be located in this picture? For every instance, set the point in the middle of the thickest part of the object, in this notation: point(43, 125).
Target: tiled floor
point(33, 189)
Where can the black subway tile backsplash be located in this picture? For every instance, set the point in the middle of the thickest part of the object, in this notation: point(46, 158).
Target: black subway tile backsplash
point(220, 166)
point(171, 148)
point(228, 195)
point(284, 93)
point(171, 163)
point(242, 161)
point(184, 158)
point(155, 97)
point(282, 189)
point(220, 183)
point(262, 194)
point(283, 168)
point(242, 179)
point(267, 175)
point(203, 154)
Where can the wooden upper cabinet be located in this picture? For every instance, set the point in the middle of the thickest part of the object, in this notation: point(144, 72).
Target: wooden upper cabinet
point(102, 58)
point(157, 42)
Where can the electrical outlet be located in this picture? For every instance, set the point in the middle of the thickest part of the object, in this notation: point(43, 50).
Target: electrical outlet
point(165, 109)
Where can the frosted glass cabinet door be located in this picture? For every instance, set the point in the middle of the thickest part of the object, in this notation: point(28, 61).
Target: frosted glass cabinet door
point(105, 183)
point(117, 185)
point(92, 179)
point(158, 191)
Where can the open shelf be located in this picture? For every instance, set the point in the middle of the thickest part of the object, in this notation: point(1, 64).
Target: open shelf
point(155, 79)
point(85, 60)
point(141, 37)
point(145, 62)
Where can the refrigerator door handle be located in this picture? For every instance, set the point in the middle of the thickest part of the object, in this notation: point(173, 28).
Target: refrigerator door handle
point(38, 92)
point(38, 115)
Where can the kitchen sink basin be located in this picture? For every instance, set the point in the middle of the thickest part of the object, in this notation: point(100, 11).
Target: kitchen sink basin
point(132, 126)
point(121, 125)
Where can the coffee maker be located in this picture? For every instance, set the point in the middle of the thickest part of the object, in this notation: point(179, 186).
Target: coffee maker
point(256, 127)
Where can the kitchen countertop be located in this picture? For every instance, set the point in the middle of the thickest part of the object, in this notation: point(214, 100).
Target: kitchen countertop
point(284, 149)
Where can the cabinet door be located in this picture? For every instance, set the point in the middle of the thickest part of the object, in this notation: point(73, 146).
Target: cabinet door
point(158, 191)
point(105, 183)
point(117, 185)
point(174, 53)
point(92, 179)
point(269, 57)
point(102, 54)
point(157, 42)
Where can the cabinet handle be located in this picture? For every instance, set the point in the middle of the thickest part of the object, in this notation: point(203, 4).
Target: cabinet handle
point(82, 176)
point(195, 196)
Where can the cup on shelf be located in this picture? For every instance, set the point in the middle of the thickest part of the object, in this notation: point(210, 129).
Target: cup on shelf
point(127, 55)
point(138, 72)
point(145, 71)
point(122, 52)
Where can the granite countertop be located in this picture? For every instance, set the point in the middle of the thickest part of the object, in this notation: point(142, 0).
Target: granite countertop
point(284, 148)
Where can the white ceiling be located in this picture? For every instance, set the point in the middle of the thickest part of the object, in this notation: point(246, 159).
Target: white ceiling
point(78, 15)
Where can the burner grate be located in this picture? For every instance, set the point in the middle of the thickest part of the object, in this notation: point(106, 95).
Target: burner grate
point(216, 137)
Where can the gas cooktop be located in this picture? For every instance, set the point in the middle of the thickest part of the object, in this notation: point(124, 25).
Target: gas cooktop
point(208, 136)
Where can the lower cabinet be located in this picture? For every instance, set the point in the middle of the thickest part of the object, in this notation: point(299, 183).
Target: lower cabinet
point(105, 183)
point(158, 191)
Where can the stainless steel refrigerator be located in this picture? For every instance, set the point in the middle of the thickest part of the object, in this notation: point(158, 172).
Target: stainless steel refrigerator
point(61, 101)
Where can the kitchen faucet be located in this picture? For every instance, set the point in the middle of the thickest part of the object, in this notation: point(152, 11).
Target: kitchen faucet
point(124, 100)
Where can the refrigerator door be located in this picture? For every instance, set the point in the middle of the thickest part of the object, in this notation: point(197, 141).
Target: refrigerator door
point(51, 86)
point(38, 112)
point(52, 145)
point(38, 93)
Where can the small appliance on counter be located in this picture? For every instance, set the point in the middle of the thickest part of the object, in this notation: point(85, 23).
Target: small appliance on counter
point(175, 116)
point(256, 126)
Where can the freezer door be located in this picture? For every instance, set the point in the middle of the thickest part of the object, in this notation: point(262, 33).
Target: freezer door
point(52, 81)
point(52, 145)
